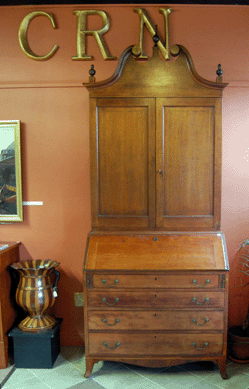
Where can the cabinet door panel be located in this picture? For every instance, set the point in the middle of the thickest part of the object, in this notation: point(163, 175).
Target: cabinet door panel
point(124, 163)
point(187, 149)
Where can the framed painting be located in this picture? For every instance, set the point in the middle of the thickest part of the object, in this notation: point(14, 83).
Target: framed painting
point(10, 172)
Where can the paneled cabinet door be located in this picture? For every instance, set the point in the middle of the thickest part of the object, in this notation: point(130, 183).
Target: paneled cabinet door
point(123, 162)
point(188, 149)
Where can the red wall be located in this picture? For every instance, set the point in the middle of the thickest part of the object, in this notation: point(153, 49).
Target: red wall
point(49, 99)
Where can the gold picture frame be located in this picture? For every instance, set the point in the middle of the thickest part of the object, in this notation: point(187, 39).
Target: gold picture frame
point(10, 172)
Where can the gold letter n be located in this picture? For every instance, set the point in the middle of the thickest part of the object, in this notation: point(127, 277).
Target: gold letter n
point(145, 20)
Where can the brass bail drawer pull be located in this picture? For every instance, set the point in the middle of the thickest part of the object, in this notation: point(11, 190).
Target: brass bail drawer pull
point(110, 286)
point(111, 348)
point(201, 286)
point(195, 301)
point(199, 348)
point(195, 321)
point(115, 301)
point(116, 322)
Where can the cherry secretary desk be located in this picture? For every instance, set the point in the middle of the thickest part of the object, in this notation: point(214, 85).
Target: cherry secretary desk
point(156, 269)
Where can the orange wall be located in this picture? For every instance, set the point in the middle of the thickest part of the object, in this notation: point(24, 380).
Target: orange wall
point(49, 99)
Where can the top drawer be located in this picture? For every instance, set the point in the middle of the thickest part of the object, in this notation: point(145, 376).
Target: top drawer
point(197, 281)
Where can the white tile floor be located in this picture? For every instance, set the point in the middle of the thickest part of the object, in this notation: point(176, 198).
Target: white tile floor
point(69, 369)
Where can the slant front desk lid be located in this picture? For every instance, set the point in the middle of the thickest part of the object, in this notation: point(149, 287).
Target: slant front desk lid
point(187, 251)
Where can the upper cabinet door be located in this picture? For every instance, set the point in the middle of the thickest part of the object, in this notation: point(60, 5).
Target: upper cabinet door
point(123, 162)
point(155, 131)
point(188, 163)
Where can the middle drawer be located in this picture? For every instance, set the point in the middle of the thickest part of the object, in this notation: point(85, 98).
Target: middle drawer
point(197, 320)
point(155, 298)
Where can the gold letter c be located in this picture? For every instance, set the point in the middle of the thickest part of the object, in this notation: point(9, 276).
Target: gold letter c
point(22, 35)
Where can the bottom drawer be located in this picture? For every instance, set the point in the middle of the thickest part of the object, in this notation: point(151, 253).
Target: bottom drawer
point(117, 344)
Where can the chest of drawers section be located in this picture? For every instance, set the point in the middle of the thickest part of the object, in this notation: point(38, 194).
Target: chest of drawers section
point(155, 318)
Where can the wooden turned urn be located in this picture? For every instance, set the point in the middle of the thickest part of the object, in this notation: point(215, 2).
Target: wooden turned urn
point(35, 292)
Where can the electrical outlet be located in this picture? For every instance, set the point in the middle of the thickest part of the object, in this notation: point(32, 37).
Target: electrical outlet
point(78, 299)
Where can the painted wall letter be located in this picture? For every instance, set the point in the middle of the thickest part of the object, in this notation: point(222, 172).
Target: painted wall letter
point(82, 32)
point(146, 21)
point(23, 40)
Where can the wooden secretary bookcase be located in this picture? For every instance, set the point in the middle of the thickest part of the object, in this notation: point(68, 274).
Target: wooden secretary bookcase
point(155, 271)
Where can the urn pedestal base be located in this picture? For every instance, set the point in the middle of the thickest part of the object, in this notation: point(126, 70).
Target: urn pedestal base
point(36, 350)
point(36, 323)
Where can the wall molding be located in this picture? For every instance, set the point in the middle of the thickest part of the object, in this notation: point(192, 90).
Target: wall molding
point(40, 85)
point(237, 84)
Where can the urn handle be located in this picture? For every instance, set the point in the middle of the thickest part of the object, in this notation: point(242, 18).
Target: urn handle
point(57, 277)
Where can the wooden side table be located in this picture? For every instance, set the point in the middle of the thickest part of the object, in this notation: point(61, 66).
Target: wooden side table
point(9, 253)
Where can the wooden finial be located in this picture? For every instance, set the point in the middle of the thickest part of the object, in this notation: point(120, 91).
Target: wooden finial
point(156, 38)
point(219, 73)
point(92, 72)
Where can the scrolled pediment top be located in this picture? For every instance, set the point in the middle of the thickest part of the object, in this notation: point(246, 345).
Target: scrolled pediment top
point(179, 50)
point(131, 71)
point(125, 55)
